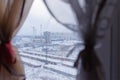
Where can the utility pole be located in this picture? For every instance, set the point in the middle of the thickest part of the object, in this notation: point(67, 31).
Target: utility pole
point(46, 51)
point(46, 35)
point(33, 27)
point(40, 33)
point(46, 44)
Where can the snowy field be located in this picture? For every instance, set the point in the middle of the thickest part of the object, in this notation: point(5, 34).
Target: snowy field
point(37, 69)
point(41, 66)
point(43, 74)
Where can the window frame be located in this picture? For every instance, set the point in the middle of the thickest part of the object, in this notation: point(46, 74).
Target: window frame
point(115, 40)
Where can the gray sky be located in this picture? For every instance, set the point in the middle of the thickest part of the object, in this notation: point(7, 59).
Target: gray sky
point(40, 18)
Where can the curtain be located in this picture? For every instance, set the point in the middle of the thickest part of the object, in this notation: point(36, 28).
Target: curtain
point(90, 19)
point(12, 15)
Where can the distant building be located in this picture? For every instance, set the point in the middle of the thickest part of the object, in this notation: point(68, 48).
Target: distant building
point(47, 37)
point(63, 36)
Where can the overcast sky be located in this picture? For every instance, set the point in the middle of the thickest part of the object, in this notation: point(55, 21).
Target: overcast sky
point(40, 18)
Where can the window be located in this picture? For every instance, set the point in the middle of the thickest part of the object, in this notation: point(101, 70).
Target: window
point(44, 46)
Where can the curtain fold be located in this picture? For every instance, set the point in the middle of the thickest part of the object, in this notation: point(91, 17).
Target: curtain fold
point(90, 19)
point(12, 16)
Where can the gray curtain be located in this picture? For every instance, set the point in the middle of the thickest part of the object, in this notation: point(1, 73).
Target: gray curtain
point(90, 19)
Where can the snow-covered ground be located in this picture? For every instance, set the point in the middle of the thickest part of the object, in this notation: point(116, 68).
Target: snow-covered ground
point(37, 69)
point(66, 70)
point(43, 53)
point(44, 74)
point(43, 58)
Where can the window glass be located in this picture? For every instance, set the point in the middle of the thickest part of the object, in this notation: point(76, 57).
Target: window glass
point(45, 46)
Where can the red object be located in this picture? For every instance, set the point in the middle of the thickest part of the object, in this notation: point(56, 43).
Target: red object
point(7, 53)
